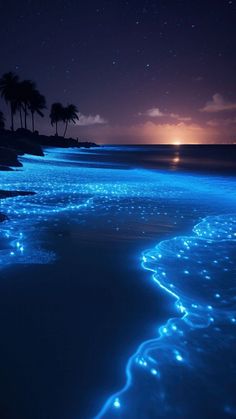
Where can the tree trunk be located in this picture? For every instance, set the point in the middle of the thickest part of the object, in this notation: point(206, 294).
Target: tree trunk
point(56, 129)
point(65, 129)
point(12, 118)
point(25, 110)
point(21, 122)
point(32, 117)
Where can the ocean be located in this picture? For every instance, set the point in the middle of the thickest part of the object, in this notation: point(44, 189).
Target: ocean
point(117, 291)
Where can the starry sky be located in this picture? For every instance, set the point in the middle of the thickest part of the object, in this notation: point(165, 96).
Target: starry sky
point(140, 71)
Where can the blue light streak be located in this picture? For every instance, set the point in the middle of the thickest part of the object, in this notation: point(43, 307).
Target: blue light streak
point(188, 268)
point(196, 323)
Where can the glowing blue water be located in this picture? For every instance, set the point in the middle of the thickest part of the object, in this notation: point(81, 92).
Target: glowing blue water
point(188, 369)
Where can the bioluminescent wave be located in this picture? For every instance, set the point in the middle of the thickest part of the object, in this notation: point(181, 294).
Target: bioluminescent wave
point(188, 367)
point(189, 370)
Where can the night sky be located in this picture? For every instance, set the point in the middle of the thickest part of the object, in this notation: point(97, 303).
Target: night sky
point(139, 71)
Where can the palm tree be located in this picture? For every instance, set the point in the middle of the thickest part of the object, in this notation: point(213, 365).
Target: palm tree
point(2, 120)
point(56, 114)
point(18, 104)
point(70, 115)
point(37, 103)
point(26, 91)
point(8, 86)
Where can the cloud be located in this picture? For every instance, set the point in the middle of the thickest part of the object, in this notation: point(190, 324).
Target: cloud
point(151, 132)
point(179, 117)
point(169, 133)
point(213, 123)
point(153, 113)
point(156, 113)
point(88, 120)
point(163, 132)
point(198, 78)
point(218, 104)
point(221, 122)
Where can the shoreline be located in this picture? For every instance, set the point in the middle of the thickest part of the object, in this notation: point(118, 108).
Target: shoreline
point(134, 208)
point(21, 141)
point(4, 194)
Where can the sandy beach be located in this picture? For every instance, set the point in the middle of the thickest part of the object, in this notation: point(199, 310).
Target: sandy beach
point(73, 254)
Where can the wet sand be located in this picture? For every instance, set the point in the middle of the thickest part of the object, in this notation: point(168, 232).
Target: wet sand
point(69, 325)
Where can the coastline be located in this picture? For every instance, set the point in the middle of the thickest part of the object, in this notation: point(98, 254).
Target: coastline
point(10, 194)
point(21, 141)
point(131, 211)
point(196, 313)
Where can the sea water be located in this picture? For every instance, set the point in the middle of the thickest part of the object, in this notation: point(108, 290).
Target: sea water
point(118, 286)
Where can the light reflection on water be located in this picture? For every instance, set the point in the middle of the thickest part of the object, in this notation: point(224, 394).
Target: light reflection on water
point(188, 371)
point(197, 270)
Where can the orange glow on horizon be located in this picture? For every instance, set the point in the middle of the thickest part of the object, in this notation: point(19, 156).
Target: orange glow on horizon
point(174, 134)
point(177, 142)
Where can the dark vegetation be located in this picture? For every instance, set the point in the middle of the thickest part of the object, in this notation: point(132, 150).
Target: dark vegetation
point(25, 101)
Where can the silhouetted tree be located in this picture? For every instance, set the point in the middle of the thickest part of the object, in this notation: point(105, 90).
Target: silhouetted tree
point(27, 88)
point(20, 99)
point(8, 87)
point(70, 115)
point(24, 97)
point(2, 120)
point(18, 102)
point(37, 103)
point(56, 114)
